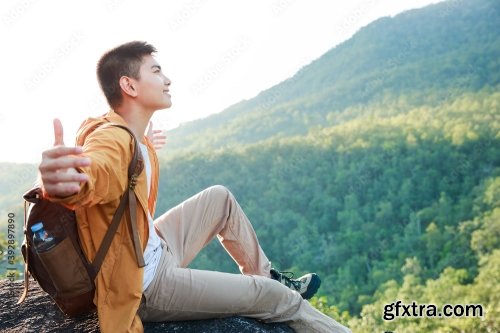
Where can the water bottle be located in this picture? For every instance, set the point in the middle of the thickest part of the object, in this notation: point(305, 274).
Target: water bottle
point(41, 239)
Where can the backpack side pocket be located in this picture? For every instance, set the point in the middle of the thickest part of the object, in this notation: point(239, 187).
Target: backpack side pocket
point(65, 268)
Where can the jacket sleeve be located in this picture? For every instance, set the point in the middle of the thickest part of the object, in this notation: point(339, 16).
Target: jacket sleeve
point(110, 152)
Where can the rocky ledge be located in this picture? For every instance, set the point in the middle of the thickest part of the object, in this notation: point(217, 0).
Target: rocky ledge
point(39, 314)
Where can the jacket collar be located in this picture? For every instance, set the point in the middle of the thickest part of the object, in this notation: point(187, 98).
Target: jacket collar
point(114, 117)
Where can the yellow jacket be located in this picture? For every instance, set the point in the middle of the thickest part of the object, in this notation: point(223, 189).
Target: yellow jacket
point(119, 282)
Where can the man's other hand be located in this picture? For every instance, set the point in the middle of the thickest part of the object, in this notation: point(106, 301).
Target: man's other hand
point(156, 137)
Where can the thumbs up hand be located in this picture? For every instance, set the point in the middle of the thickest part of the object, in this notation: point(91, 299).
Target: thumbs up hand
point(57, 169)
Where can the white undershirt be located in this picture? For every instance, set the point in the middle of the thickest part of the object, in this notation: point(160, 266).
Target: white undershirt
point(152, 253)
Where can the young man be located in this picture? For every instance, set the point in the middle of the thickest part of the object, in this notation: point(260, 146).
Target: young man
point(91, 179)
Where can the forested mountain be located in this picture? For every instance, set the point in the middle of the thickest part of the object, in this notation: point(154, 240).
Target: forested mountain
point(377, 166)
point(444, 49)
point(368, 202)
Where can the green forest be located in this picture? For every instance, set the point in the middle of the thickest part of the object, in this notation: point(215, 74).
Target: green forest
point(376, 166)
point(372, 205)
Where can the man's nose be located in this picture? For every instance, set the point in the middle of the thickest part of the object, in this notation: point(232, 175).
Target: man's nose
point(166, 80)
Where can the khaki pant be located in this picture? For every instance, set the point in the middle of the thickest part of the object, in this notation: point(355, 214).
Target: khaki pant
point(180, 293)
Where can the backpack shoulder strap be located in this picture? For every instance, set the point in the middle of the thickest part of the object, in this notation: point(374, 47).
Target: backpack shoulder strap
point(135, 168)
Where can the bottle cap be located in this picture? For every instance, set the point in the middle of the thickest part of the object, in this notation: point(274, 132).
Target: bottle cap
point(36, 227)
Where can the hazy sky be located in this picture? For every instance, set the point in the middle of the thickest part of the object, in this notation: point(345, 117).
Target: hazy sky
point(215, 52)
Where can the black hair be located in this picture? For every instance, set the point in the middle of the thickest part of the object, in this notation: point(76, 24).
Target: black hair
point(123, 60)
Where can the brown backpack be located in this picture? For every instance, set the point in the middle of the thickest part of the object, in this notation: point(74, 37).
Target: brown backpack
point(63, 271)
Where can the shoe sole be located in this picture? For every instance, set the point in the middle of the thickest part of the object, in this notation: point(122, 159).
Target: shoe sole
point(313, 287)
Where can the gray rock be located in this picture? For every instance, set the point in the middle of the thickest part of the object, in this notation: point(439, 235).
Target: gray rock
point(39, 314)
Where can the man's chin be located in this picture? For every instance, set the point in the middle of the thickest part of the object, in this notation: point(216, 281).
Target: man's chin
point(164, 106)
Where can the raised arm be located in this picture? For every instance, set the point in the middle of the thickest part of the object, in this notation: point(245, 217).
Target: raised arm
point(87, 184)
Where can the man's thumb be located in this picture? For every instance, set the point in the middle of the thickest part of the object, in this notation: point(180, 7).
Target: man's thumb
point(58, 133)
point(150, 130)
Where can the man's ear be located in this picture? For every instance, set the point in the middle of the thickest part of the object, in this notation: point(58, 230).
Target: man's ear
point(128, 86)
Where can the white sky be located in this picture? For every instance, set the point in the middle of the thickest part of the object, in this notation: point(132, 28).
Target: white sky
point(215, 52)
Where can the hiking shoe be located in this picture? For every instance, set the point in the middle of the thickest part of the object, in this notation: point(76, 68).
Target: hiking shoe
point(307, 285)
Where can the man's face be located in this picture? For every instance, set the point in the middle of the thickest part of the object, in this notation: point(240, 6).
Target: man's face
point(153, 86)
